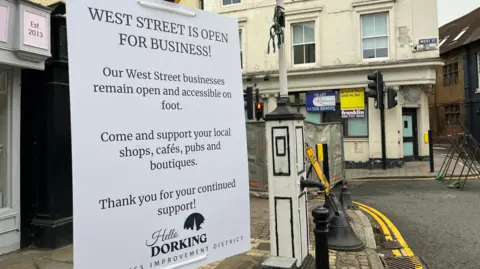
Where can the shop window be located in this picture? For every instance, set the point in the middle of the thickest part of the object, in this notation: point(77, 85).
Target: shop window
point(374, 35)
point(3, 138)
point(450, 74)
point(303, 43)
point(351, 127)
point(452, 114)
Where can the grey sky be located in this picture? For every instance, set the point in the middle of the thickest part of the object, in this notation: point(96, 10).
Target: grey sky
point(449, 10)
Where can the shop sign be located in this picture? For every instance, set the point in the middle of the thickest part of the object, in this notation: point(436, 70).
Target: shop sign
point(158, 180)
point(353, 114)
point(35, 30)
point(3, 23)
point(352, 103)
point(320, 101)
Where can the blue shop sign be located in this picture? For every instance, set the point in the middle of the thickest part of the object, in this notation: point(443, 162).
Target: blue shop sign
point(320, 101)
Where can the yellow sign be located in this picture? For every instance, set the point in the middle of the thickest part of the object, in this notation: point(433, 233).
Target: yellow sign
point(352, 99)
point(320, 152)
point(425, 138)
point(316, 167)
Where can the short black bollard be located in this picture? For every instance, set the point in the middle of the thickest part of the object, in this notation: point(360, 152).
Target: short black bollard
point(320, 218)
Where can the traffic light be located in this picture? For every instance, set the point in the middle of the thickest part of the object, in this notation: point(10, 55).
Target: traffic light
point(259, 110)
point(391, 95)
point(376, 89)
point(248, 98)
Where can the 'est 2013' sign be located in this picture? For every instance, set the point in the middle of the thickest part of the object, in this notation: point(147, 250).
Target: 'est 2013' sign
point(35, 30)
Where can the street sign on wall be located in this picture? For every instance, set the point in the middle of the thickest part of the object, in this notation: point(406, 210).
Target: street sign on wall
point(320, 101)
point(159, 179)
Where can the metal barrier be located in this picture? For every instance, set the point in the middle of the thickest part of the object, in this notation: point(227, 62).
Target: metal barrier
point(465, 150)
point(324, 133)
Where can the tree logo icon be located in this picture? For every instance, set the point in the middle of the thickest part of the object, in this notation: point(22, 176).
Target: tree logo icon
point(194, 222)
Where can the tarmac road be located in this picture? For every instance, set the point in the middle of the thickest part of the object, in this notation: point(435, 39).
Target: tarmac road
point(440, 225)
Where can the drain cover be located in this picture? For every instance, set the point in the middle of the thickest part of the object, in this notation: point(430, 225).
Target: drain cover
point(403, 263)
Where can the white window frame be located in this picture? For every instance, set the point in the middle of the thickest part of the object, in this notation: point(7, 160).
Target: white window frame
point(370, 8)
point(242, 22)
point(231, 3)
point(302, 16)
point(240, 37)
point(478, 72)
point(388, 36)
point(9, 214)
point(292, 45)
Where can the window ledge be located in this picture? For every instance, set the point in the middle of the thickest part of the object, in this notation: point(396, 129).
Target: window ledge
point(370, 3)
point(7, 213)
point(355, 139)
point(302, 66)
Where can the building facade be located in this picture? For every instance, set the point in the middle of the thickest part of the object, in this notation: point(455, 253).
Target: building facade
point(455, 100)
point(24, 44)
point(333, 46)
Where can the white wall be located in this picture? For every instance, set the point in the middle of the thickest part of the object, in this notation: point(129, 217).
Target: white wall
point(337, 29)
point(339, 62)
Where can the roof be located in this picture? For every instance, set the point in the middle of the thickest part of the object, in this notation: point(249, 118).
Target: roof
point(460, 32)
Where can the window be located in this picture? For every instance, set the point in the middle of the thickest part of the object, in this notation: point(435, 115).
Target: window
point(351, 127)
point(460, 34)
point(230, 2)
point(443, 41)
point(303, 43)
point(374, 35)
point(452, 114)
point(478, 69)
point(241, 49)
point(3, 139)
point(450, 74)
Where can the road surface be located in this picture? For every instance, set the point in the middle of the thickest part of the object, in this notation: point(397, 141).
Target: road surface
point(440, 225)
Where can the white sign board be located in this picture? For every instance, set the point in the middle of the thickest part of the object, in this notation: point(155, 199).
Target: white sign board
point(160, 172)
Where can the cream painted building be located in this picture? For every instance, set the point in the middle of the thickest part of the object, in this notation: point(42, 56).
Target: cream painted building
point(334, 45)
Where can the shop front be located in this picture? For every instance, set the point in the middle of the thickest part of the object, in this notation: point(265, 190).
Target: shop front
point(24, 44)
point(340, 95)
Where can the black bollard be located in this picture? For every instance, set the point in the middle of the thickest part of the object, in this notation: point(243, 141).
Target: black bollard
point(320, 218)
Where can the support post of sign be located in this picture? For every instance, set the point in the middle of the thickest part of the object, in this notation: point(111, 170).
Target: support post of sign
point(286, 165)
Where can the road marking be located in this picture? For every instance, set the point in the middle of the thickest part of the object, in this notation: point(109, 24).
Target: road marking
point(385, 230)
point(392, 227)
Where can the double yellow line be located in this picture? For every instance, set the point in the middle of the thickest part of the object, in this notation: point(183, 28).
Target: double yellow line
point(391, 232)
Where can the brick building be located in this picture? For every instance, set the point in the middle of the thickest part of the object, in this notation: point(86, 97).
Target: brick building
point(455, 99)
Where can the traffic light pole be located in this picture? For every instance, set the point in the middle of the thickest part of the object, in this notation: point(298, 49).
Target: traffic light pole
point(382, 127)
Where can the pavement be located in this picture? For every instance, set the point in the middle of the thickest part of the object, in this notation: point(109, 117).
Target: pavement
point(440, 225)
point(416, 169)
point(368, 258)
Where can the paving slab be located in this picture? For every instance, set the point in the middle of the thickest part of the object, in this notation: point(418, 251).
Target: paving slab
point(241, 261)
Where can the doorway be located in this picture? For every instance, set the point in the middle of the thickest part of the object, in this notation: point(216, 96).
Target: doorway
point(410, 141)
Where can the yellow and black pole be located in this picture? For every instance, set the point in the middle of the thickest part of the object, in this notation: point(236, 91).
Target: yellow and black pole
point(322, 156)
